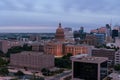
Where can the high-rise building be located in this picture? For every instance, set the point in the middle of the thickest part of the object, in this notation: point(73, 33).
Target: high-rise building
point(100, 38)
point(117, 42)
point(114, 33)
point(91, 40)
point(68, 34)
point(81, 29)
point(79, 34)
point(108, 34)
point(101, 30)
point(89, 68)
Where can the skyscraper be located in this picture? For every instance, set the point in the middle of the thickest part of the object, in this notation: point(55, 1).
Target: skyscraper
point(68, 34)
point(108, 34)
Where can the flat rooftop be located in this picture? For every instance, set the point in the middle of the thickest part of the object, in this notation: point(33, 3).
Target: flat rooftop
point(103, 49)
point(89, 59)
point(114, 76)
point(33, 53)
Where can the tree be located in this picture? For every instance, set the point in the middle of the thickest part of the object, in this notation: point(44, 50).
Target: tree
point(67, 56)
point(3, 67)
point(18, 49)
point(3, 63)
point(63, 62)
point(34, 77)
point(19, 73)
point(45, 72)
point(4, 71)
point(117, 67)
point(2, 53)
point(26, 47)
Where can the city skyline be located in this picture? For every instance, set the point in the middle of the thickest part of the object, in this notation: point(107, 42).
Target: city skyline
point(44, 16)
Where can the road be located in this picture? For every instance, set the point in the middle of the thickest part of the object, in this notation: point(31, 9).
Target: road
point(59, 76)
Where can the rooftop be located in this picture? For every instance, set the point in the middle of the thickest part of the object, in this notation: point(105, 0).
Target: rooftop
point(115, 76)
point(30, 53)
point(103, 49)
point(89, 59)
point(77, 45)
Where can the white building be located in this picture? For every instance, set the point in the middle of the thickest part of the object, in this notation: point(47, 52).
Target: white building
point(117, 41)
point(117, 57)
point(68, 34)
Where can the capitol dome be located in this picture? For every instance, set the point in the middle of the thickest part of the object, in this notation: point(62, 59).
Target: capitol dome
point(59, 33)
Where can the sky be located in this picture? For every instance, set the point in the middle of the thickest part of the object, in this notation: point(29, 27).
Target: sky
point(44, 15)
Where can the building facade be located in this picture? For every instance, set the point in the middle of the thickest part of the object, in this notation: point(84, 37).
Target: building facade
point(91, 40)
point(100, 38)
point(117, 57)
point(55, 48)
point(89, 68)
point(32, 60)
point(77, 49)
point(110, 53)
point(59, 36)
point(4, 46)
point(60, 49)
point(68, 34)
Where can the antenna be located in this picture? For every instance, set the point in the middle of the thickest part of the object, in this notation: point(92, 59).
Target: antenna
point(111, 22)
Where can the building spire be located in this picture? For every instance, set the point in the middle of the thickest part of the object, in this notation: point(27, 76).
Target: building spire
point(59, 25)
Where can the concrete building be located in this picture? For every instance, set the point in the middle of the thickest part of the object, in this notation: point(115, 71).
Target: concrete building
point(100, 38)
point(35, 37)
point(117, 42)
point(4, 45)
point(79, 34)
point(91, 40)
point(117, 57)
point(114, 33)
point(32, 60)
point(68, 34)
point(13, 43)
point(108, 34)
point(89, 68)
point(110, 53)
point(37, 46)
point(101, 30)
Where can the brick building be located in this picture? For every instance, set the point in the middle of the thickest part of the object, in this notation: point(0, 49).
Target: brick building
point(32, 60)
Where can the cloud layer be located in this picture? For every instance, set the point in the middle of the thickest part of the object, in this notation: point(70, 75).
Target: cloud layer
point(89, 13)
